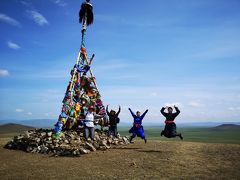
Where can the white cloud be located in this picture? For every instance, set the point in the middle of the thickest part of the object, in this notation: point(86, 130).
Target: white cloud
point(37, 17)
point(4, 72)
point(29, 113)
point(19, 110)
point(27, 4)
point(9, 20)
point(51, 114)
point(195, 104)
point(178, 104)
point(13, 45)
point(60, 2)
point(234, 108)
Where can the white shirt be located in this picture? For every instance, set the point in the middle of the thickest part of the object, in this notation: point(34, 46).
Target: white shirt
point(89, 119)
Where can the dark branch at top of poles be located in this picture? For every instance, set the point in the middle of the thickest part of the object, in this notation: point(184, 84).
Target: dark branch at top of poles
point(86, 13)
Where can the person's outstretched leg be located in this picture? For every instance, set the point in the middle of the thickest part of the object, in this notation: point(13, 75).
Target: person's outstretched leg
point(162, 133)
point(180, 135)
point(142, 134)
point(131, 138)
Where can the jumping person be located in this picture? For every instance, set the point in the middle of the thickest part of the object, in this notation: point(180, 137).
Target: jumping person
point(113, 121)
point(137, 129)
point(170, 126)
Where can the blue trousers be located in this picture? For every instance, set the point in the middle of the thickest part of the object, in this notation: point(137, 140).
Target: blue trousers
point(138, 131)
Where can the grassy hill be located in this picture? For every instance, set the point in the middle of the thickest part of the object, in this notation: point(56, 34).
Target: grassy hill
point(160, 158)
point(225, 133)
point(220, 134)
point(227, 127)
point(13, 128)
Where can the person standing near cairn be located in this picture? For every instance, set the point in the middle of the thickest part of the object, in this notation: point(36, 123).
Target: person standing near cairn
point(89, 120)
point(113, 121)
point(137, 129)
point(170, 129)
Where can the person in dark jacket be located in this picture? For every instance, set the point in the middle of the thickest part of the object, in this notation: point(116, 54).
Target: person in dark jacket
point(113, 121)
point(137, 129)
point(170, 126)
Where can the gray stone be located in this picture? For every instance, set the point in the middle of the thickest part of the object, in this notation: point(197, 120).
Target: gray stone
point(71, 143)
point(90, 146)
point(96, 144)
point(125, 140)
point(43, 134)
point(109, 141)
point(83, 150)
point(103, 142)
point(66, 141)
point(49, 134)
point(96, 138)
point(26, 134)
point(18, 137)
point(76, 152)
point(29, 149)
point(115, 142)
point(65, 146)
point(103, 148)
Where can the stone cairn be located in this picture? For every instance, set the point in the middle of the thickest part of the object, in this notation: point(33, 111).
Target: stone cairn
point(71, 143)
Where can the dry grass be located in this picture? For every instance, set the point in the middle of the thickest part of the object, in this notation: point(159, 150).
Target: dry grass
point(155, 160)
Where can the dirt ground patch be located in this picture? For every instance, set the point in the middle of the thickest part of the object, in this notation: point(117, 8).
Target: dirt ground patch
point(154, 160)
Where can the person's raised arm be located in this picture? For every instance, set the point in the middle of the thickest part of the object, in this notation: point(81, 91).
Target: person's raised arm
point(162, 111)
point(133, 115)
point(107, 111)
point(177, 111)
point(144, 114)
point(119, 110)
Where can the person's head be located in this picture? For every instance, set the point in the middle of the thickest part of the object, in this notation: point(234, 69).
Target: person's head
point(112, 112)
point(81, 116)
point(91, 109)
point(170, 109)
point(138, 114)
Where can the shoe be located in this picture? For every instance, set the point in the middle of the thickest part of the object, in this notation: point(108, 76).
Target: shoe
point(145, 140)
point(130, 140)
point(181, 136)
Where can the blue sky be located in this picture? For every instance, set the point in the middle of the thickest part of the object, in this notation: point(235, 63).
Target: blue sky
point(148, 54)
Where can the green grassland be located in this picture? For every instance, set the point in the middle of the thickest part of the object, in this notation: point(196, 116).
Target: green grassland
point(226, 134)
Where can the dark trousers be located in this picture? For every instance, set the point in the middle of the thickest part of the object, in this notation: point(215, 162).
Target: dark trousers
point(113, 130)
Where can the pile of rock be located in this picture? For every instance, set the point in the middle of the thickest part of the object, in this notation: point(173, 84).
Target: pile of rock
point(71, 143)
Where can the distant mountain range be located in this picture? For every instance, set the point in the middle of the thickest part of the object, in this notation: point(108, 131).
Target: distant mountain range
point(14, 128)
point(38, 123)
point(227, 127)
point(49, 123)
